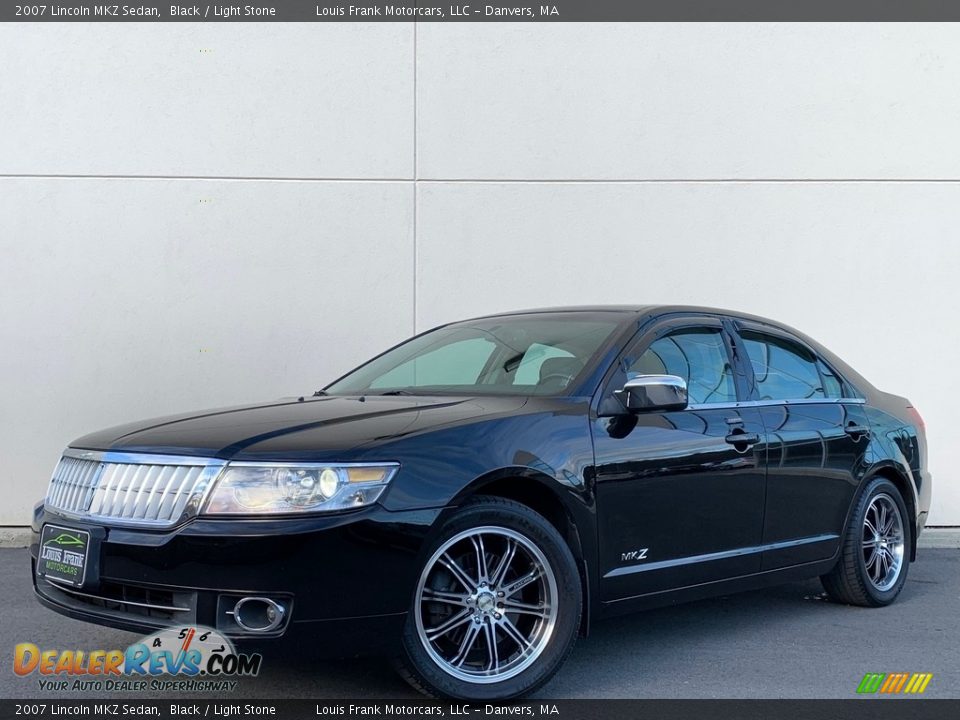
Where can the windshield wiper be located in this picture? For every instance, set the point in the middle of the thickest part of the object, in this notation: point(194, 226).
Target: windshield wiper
point(320, 393)
point(395, 392)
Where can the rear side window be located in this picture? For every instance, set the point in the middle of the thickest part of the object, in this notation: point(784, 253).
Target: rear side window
point(787, 371)
point(831, 383)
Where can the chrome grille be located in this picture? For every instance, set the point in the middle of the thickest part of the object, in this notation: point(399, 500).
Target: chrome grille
point(130, 488)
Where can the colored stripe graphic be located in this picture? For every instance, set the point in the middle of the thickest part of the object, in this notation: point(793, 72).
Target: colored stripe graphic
point(923, 679)
point(890, 683)
point(894, 683)
point(871, 682)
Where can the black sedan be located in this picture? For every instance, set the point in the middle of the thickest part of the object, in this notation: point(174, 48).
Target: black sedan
point(472, 499)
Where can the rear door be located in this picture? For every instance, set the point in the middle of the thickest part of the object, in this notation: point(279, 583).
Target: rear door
point(679, 494)
point(817, 436)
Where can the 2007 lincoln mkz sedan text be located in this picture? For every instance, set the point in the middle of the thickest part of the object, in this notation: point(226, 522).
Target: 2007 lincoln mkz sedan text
point(472, 499)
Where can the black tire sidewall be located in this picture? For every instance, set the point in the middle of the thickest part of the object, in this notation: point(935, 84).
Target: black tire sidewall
point(541, 533)
point(876, 487)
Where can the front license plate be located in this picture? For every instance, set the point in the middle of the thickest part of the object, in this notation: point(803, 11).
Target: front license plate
point(63, 554)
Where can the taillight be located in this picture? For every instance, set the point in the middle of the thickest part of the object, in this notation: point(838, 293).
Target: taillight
point(915, 416)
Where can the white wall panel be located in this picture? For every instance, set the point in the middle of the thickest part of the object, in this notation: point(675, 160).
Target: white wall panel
point(220, 99)
point(124, 298)
point(867, 269)
point(688, 100)
point(128, 299)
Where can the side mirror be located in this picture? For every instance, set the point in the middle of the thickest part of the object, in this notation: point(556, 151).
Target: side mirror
point(654, 392)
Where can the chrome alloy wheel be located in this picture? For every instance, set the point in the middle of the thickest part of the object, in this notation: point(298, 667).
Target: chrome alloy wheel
point(486, 604)
point(882, 542)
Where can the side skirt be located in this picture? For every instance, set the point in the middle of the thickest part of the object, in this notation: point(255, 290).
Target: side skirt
point(711, 589)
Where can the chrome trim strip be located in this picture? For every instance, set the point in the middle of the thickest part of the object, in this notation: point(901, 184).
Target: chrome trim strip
point(128, 458)
point(176, 498)
point(270, 464)
point(279, 609)
point(72, 484)
point(165, 494)
point(768, 403)
point(691, 559)
point(169, 608)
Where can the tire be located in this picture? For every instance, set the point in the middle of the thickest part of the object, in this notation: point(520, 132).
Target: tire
point(532, 594)
point(873, 565)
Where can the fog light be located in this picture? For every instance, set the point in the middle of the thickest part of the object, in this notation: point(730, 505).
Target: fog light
point(258, 614)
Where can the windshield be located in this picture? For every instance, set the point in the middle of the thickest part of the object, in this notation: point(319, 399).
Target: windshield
point(517, 355)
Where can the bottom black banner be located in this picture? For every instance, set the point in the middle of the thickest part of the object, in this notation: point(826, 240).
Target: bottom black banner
point(853, 709)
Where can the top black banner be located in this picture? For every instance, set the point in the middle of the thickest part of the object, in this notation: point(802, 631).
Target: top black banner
point(556, 11)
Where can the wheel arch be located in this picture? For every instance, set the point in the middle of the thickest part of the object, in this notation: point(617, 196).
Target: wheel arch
point(891, 471)
point(544, 495)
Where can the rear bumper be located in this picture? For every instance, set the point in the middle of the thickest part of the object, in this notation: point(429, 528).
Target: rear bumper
point(922, 484)
point(346, 579)
point(923, 499)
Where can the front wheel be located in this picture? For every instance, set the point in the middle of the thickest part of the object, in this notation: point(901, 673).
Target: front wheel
point(875, 554)
point(497, 606)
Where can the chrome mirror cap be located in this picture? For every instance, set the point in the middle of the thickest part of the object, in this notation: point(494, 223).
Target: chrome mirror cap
point(654, 392)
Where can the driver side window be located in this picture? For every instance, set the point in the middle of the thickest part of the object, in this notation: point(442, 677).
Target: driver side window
point(698, 355)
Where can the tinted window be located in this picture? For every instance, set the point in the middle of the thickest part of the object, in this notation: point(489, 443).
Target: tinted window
point(521, 354)
point(458, 363)
point(831, 383)
point(534, 365)
point(786, 371)
point(699, 356)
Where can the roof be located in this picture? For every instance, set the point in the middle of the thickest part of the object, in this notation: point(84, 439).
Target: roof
point(650, 309)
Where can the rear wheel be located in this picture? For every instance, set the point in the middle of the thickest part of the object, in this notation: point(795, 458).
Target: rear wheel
point(875, 554)
point(497, 607)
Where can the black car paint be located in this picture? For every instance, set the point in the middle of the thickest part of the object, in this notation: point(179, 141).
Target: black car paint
point(667, 486)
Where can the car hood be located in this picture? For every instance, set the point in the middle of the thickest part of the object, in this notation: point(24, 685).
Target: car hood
point(297, 429)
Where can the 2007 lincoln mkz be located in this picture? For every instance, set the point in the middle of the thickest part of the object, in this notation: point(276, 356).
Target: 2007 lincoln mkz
point(472, 499)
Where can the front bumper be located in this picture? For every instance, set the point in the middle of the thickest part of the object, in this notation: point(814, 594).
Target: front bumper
point(345, 578)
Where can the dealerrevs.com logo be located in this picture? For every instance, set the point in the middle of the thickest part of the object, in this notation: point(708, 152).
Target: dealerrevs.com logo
point(189, 658)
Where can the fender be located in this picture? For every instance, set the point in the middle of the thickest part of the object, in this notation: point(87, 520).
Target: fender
point(516, 482)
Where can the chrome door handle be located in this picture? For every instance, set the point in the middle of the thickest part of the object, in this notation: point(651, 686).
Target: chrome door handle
point(856, 431)
point(742, 438)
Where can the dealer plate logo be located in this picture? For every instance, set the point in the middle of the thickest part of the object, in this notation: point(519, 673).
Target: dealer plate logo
point(63, 554)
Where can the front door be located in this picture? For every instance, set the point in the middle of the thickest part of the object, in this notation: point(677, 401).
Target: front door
point(679, 494)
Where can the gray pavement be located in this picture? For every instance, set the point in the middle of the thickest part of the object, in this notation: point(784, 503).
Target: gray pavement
point(781, 642)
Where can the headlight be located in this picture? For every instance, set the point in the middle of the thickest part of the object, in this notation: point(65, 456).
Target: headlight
point(246, 488)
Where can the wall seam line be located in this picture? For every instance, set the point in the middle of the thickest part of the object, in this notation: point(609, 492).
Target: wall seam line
point(416, 180)
point(215, 178)
point(416, 239)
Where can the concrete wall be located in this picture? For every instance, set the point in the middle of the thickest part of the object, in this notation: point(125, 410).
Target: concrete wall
point(203, 215)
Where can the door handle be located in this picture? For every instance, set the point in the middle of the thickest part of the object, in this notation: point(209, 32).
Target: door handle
point(742, 438)
point(856, 431)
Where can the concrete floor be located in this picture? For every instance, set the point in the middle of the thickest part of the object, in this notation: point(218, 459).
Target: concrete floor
point(781, 642)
